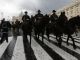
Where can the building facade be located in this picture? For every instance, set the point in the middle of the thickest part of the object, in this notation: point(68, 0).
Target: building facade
point(71, 10)
point(17, 17)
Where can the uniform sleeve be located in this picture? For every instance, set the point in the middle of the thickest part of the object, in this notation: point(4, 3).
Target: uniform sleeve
point(23, 18)
point(50, 17)
point(28, 17)
point(42, 15)
point(35, 16)
point(56, 16)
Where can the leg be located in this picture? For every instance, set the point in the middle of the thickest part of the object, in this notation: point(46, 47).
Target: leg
point(42, 37)
point(60, 41)
point(38, 35)
point(48, 36)
point(24, 35)
point(74, 46)
point(6, 36)
point(2, 38)
point(35, 34)
point(17, 31)
point(30, 39)
point(47, 33)
point(57, 38)
point(68, 39)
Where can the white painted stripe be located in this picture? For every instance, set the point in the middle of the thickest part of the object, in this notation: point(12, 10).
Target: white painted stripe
point(76, 38)
point(69, 47)
point(4, 45)
point(65, 36)
point(18, 53)
point(40, 53)
point(70, 41)
point(61, 52)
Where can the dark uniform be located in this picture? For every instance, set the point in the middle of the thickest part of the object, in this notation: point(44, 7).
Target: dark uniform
point(4, 30)
point(38, 26)
point(25, 17)
point(26, 25)
point(53, 17)
point(46, 19)
point(13, 26)
point(39, 16)
point(17, 23)
point(32, 20)
point(62, 19)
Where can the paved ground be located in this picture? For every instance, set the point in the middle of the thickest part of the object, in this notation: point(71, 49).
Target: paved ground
point(18, 48)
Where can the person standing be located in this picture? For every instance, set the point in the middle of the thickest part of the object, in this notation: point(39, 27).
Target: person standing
point(4, 31)
point(39, 16)
point(54, 16)
point(25, 17)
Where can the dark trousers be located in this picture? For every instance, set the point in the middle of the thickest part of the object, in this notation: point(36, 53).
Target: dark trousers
point(4, 37)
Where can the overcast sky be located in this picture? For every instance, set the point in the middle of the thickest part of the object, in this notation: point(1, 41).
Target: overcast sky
point(14, 7)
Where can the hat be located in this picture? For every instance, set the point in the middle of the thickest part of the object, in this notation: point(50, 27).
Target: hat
point(39, 11)
point(46, 14)
point(25, 11)
point(53, 11)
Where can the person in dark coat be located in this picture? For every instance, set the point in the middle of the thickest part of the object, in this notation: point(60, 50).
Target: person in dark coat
point(46, 19)
point(38, 27)
point(53, 17)
point(39, 16)
point(39, 19)
point(13, 26)
point(32, 20)
point(17, 23)
point(26, 25)
point(4, 30)
point(25, 17)
point(62, 19)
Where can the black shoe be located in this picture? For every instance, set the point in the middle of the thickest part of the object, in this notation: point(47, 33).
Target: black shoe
point(74, 46)
point(7, 41)
point(68, 44)
point(0, 42)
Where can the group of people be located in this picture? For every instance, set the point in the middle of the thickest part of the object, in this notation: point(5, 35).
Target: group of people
point(53, 24)
point(43, 24)
point(52, 18)
point(40, 21)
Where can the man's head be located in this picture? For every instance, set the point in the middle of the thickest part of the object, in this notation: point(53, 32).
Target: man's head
point(3, 19)
point(31, 15)
point(53, 11)
point(46, 15)
point(39, 11)
point(16, 19)
point(63, 13)
point(26, 12)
